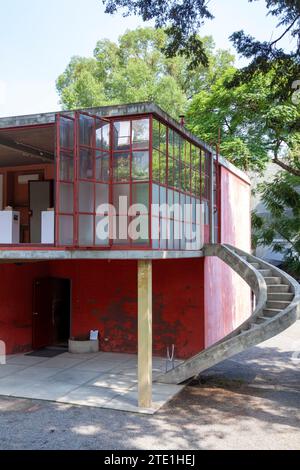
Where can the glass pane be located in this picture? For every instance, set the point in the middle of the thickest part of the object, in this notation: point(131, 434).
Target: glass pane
point(155, 232)
point(170, 197)
point(101, 197)
point(171, 235)
point(163, 139)
point(140, 194)
point(187, 152)
point(102, 135)
point(121, 135)
point(140, 133)
point(102, 230)
point(86, 197)
point(102, 166)
point(155, 134)
point(182, 177)
point(66, 194)
point(195, 157)
point(86, 164)
point(121, 230)
point(66, 167)
point(188, 179)
point(86, 130)
point(66, 133)
point(177, 234)
point(163, 169)
point(163, 195)
point(140, 165)
point(86, 230)
point(121, 191)
point(176, 174)
point(163, 224)
point(65, 224)
point(141, 229)
point(155, 165)
point(170, 172)
point(171, 142)
point(155, 200)
point(121, 166)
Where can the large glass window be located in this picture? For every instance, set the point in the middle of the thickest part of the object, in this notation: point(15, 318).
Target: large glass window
point(180, 166)
point(131, 177)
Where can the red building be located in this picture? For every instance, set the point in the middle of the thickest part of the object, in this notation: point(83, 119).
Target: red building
point(75, 257)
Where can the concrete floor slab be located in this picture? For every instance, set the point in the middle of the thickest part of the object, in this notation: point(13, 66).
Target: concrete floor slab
point(9, 369)
point(114, 381)
point(99, 380)
point(22, 359)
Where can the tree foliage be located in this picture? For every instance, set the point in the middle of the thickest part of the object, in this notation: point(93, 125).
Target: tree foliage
point(254, 126)
point(180, 19)
point(265, 56)
point(135, 69)
point(281, 197)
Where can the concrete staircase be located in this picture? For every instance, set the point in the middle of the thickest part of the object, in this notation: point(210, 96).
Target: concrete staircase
point(277, 298)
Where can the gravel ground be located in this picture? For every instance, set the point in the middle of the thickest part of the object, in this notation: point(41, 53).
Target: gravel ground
point(249, 402)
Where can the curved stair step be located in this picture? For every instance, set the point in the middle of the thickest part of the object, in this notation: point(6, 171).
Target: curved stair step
point(272, 280)
point(278, 304)
point(278, 288)
point(265, 272)
point(277, 307)
point(280, 296)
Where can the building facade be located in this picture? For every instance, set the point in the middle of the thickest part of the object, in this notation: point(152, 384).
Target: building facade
point(87, 200)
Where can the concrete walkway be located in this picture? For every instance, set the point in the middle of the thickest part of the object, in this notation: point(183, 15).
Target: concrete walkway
point(249, 402)
point(104, 380)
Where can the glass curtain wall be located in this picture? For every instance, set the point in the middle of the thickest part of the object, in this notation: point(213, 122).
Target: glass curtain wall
point(131, 181)
point(180, 174)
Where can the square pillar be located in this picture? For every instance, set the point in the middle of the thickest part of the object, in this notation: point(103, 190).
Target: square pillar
point(145, 333)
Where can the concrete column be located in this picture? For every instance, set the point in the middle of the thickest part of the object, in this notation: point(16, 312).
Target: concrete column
point(145, 333)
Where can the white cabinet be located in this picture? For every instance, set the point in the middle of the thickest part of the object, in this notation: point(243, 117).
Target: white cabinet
point(48, 227)
point(9, 227)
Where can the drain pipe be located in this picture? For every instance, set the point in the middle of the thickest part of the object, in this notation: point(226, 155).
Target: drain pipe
point(211, 201)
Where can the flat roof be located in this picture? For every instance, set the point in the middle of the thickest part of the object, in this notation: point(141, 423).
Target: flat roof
point(121, 110)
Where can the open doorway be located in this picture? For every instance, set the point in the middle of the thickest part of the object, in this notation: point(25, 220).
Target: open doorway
point(51, 312)
point(27, 173)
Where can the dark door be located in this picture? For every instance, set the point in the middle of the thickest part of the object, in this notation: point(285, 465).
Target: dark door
point(51, 312)
point(40, 199)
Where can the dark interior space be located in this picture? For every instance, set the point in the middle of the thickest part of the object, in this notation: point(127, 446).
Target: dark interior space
point(51, 313)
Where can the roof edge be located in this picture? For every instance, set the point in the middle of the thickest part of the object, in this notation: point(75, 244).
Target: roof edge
point(121, 110)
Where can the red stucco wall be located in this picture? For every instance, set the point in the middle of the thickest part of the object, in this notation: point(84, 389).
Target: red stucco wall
point(104, 297)
point(227, 296)
point(16, 295)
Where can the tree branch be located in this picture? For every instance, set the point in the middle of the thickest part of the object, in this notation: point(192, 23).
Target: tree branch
point(285, 32)
point(289, 168)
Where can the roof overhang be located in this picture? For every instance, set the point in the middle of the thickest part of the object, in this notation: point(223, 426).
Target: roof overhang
point(122, 110)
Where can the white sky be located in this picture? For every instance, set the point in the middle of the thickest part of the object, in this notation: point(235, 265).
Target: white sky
point(38, 39)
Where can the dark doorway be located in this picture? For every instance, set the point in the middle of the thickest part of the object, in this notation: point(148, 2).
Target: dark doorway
point(51, 312)
point(40, 199)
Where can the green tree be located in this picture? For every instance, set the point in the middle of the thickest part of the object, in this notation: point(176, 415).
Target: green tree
point(255, 127)
point(136, 69)
point(281, 197)
point(183, 20)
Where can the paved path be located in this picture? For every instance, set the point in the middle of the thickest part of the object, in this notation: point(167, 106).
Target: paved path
point(251, 402)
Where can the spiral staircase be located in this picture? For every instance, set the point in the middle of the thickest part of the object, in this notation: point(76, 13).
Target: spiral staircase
point(277, 300)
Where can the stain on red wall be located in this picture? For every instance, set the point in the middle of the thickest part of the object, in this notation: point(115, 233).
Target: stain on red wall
point(227, 296)
point(104, 297)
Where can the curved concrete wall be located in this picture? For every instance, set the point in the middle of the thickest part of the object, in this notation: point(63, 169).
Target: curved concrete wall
point(227, 297)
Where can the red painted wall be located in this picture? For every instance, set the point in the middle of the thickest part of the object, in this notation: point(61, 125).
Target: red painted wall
point(104, 297)
point(16, 296)
point(227, 296)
